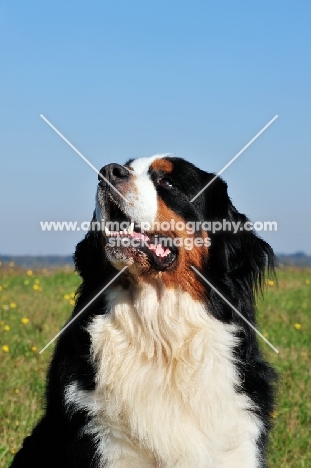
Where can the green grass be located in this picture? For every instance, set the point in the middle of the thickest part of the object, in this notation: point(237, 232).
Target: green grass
point(284, 317)
point(22, 368)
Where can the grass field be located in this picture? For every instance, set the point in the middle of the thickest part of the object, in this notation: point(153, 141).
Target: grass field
point(35, 304)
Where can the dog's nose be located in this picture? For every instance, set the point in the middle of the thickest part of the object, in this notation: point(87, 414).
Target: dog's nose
point(114, 173)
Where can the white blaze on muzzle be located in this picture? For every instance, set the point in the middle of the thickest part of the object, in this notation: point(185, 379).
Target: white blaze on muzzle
point(140, 192)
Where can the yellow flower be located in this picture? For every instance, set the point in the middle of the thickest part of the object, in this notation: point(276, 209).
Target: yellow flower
point(5, 348)
point(266, 334)
point(274, 414)
point(11, 264)
point(16, 390)
point(35, 287)
point(25, 320)
point(13, 451)
point(34, 348)
point(72, 302)
point(6, 328)
point(26, 282)
point(37, 281)
point(29, 272)
point(16, 423)
point(13, 305)
point(67, 297)
point(297, 326)
point(72, 295)
point(308, 281)
point(271, 283)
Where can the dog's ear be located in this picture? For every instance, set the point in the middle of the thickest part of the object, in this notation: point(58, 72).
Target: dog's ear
point(89, 256)
point(250, 258)
point(238, 258)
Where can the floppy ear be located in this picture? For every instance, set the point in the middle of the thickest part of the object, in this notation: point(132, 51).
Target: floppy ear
point(86, 256)
point(89, 257)
point(237, 262)
point(250, 258)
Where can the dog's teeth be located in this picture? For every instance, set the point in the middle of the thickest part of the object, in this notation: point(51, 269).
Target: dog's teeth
point(107, 232)
point(131, 229)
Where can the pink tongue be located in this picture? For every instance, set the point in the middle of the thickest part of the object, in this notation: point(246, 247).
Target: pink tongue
point(159, 250)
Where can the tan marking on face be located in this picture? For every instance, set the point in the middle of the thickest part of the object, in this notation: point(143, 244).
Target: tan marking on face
point(180, 274)
point(162, 165)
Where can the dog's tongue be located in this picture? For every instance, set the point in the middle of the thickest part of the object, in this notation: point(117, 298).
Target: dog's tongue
point(159, 250)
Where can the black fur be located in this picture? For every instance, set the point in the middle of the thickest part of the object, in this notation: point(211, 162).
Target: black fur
point(236, 266)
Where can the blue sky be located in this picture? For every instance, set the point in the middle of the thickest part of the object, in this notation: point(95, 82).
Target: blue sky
point(127, 78)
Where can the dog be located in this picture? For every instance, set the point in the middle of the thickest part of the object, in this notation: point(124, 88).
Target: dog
point(158, 370)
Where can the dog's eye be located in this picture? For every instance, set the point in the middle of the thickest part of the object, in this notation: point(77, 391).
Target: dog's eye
point(165, 182)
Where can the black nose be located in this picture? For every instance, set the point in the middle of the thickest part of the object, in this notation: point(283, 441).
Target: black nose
point(114, 173)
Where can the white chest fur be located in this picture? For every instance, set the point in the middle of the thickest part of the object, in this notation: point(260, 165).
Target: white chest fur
point(165, 391)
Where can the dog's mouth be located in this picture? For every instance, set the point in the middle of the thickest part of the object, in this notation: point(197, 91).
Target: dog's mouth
point(129, 241)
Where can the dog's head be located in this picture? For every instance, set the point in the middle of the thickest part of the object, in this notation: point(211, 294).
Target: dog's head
point(148, 219)
point(150, 223)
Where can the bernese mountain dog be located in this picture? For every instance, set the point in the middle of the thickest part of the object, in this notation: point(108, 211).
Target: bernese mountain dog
point(159, 371)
